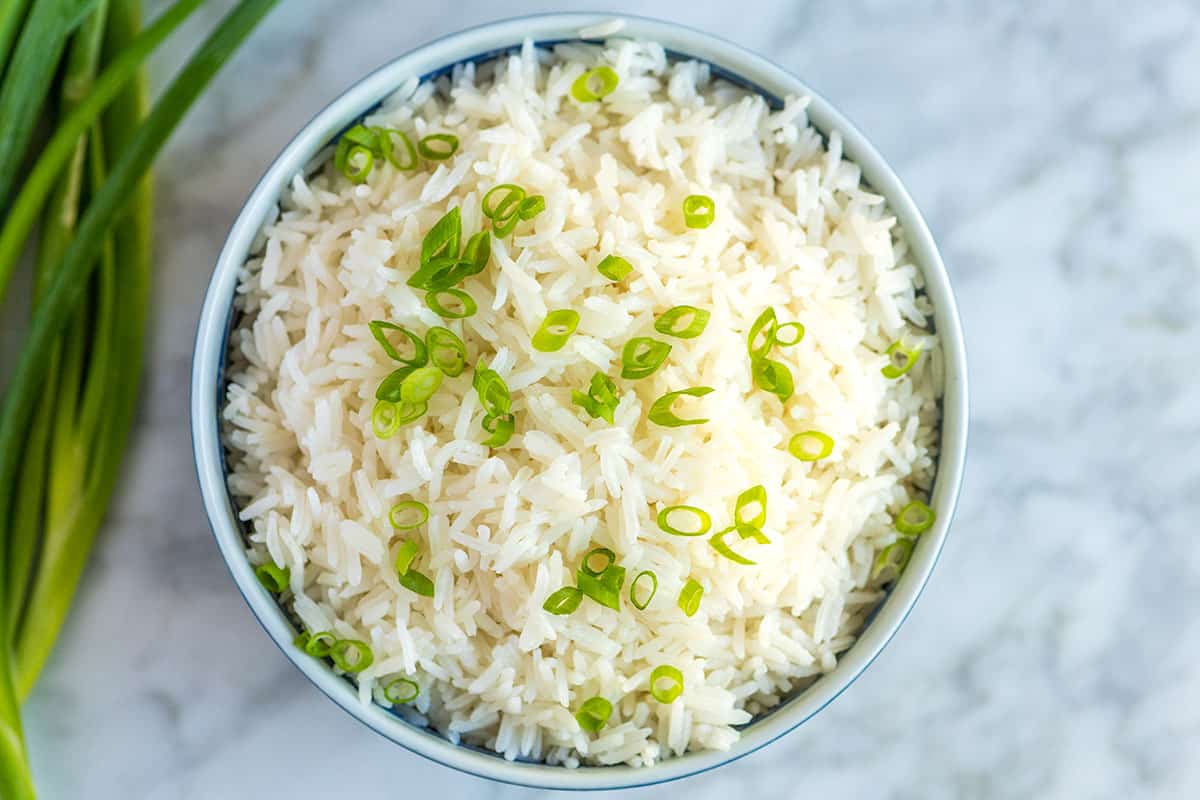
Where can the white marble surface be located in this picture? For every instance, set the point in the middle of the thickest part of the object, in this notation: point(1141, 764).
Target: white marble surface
point(1055, 149)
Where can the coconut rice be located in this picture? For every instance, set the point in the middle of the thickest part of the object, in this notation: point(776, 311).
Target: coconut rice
point(796, 229)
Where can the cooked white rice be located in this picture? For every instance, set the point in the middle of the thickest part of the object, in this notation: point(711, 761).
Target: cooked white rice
point(795, 229)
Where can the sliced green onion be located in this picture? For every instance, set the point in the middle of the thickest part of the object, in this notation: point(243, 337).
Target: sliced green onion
point(669, 694)
point(601, 399)
point(401, 691)
point(531, 206)
point(633, 589)
point(594, 714)
point(320, 644)
point(475, 255)
point(389, 152)
point(717, 540)
point(416, 582)
point(467, 303)
point(661, 413)
point(443, 239)
point(502, 228)
point(501, 427)
point(447, 352)
point(689, 597)
point(901, 359)
point(503, 201)
point(341, 655)
point(438, 146)
point(695, 319)
point(556, 329)
point(440, 272)
point(747, 531)
point(405, 555)
point(894, 557)
point(765, 324)
point(301, 640)
point(795, 339)
point(273, 578)
point(603, 552)
point(774, 377)
point(408, 514)
point(389, 387)
point(493, 392)
point(564, 601)
point(420, 385)
point(810, 445)
point(699, 211)
point(420, 355)
point(915, 518)
point(605, 589)
point(359, 163)
point(594, 84)
point(703, 521)
point(614, 267)
point(642, 356)
point(387, 418)
point(746, 502)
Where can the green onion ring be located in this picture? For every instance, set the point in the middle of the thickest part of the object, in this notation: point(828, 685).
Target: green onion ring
point(421, 385)
point(433, 300)
point(420, 355)
point(442, 240)
point(755, 494)
point(385, 146)
point(320, 644)
point(447, 352)
point(810, 445)
point(359, 163)
point(389, 387)
point(614, 267)
point(697, 320)
point(594, 714)
point(363, 657)
point(405, 555)
point(633, 588)
point(447, 145)
point(689, 597)
point(416, 582)
point(609, 558)
point(894, 557)
point(699, 211)
point(387, 418)
point(493, 392)
point(765, 323)
point(564, 601)
point(556, 329)
point(717, 540)
point(501, 427)
point(408, 508)
point(796, 326)
point(273, 578)
point(915, 518)
point(774, 377)
point(531, 206)
point(665, 672)
point(401, 691)
point(901, 359)
point(595, 84)
point(601, 399)
point(507, 204)
point(703, 520)
point(642, 356)
point(661, 413)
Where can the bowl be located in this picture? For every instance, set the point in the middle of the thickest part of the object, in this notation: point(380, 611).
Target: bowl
point(479, 44)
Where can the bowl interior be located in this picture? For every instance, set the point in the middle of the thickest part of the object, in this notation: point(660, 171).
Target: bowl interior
point(309, 149)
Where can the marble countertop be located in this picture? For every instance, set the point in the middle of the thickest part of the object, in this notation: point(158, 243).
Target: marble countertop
point(1055, 150)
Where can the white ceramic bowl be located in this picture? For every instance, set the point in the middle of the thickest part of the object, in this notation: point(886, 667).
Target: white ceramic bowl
point(478, 44)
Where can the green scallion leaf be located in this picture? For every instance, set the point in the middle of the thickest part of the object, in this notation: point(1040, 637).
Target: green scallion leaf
point(674, 683)
point(699, 211)
point(601, 401)
point(387, 418)
point(556, 329)
point(752, 501)
point(405, 555)
point(642, 356)
point(438, 146)
point(810, 445)
point(717, 540)
point(683, 322)
point(421, 385)
point(915, 518)
point(475, 256)
point(633, 589)
point(447, 352)
point(273, 578)
point(892, 560)
point(564, 601)
point(416, 582)
point(594, 84)
point(614, 267)
point(774, 377)
point(661, 413)
point(689, 597)
point(501, 427)
point(493, 392)
point(703, 522)
point(531, 206)
point(320, 644)
point(400, 691)
point(408, 514)
point(465, 304)
point(605, 589)
point(443, 239)
point(503, 201)
point(901, 359)
point(351, 655)
point(389, 387)
point(594, 714)
point(420, 356)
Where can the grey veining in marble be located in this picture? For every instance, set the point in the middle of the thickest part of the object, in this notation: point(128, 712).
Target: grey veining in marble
point(1055, 149)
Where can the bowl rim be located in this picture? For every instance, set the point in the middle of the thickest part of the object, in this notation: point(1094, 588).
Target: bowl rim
point(474, 44)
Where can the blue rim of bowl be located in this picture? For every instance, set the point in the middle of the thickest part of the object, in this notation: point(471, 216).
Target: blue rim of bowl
point(733, 63)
